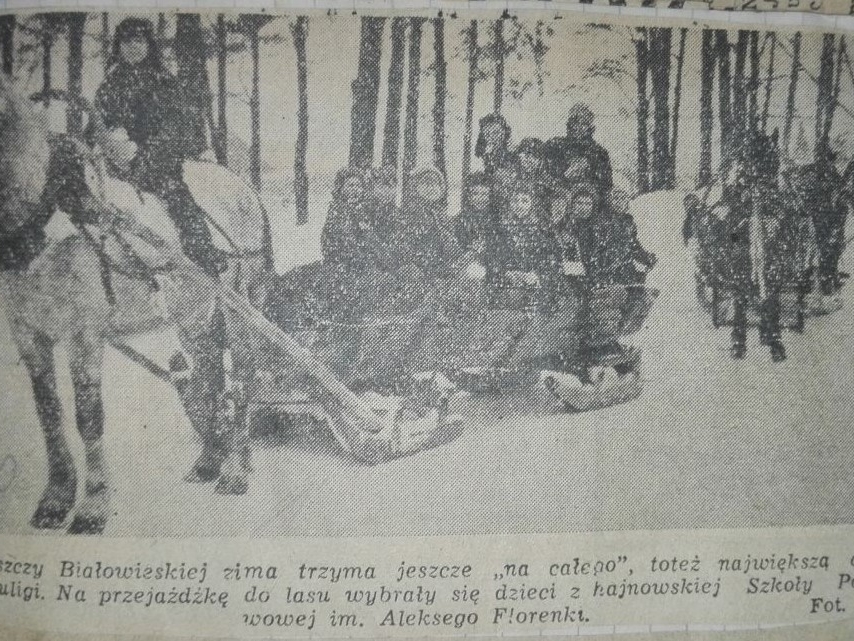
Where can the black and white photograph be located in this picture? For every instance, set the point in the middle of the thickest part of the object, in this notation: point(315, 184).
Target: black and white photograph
point(383, 274)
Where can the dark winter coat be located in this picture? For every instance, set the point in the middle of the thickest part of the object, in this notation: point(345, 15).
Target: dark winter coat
point(473, 226)
point(425, 238)
point(147, 102)
point(560, 152)
point(712, 244)
point(625, 251)
point(354, 262)
point(609, 246)
point(518, 245)
point(350, 242)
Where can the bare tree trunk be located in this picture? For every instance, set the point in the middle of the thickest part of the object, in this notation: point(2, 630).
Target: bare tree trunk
point(660, 47)
point(105, 40)
point(471, 45)
point(366, 88)
point(677, 100)
point(498, 95)
point(161, 31)
point(47, 55)
point(394, 100)
point(251, 24)
point(707, 83)
point(724, 99)
point(769, 79)
point(752, 120)
point(642, 55)
point(440, 95)
point(255, 109)
point(300, 34)
point(191, 59)
point(410, 131)
point(837, 82)
point(825, 87)
point(73, 116)
point(220, 140)
point(793, 87)
point(7, 43)
point(739, 89)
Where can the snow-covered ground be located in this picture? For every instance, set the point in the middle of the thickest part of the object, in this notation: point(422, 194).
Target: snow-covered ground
point(710, 443)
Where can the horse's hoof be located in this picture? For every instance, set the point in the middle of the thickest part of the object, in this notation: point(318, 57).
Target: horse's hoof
point(202, 475)
point(87, 524)
point(232, 485)
point(778, 352)
point(50, 516)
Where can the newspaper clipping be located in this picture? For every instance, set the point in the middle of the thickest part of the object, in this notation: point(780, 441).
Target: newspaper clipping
point(360, 323)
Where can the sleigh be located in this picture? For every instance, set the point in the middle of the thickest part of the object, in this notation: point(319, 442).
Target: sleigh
point(799, 293)
point(717, 297)
point(567, 349)
point(460, 337)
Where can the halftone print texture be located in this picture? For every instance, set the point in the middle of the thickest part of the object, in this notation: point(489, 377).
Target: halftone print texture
point(462, 272)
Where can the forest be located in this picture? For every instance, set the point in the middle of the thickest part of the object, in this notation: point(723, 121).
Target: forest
point(408, 91)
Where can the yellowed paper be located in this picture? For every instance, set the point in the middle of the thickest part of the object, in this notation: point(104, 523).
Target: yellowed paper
point(409, 324)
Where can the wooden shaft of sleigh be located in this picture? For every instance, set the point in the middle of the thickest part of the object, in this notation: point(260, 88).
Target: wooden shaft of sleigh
point(347, 406)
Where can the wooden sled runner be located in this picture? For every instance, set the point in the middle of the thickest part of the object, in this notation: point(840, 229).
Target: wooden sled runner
point(582, 383)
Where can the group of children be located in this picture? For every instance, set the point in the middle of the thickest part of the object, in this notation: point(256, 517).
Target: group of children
point(521, 226)
point(540, 228)
point(547, 232)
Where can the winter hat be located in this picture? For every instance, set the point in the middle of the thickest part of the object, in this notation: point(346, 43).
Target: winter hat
point(533, 146)
point(580, 113)
point(134, 28)
point(130, 28)
point(491, 119)
point(346, 174)
point(425, 175)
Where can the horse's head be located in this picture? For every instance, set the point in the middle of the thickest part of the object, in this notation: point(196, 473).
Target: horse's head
point(24, 154)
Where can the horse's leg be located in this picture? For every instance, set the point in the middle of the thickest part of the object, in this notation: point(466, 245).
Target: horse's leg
point(87, 355)
point(738, 336)
point(59, 494)
point(200, 391)
point(239, 367)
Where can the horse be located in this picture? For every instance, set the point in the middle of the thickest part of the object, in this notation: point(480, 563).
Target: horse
point(820, 193)
point(752, 246)
point(123, 274)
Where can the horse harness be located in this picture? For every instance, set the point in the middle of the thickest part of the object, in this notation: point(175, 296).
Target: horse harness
point(20, 246)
